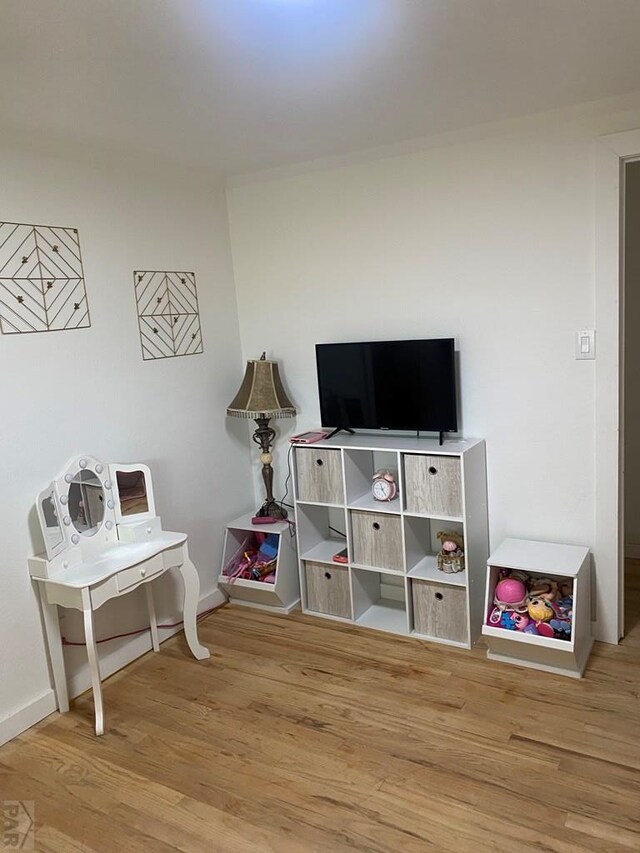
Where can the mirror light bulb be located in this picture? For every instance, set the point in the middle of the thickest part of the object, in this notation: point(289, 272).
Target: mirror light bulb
point(75, 538)
point(99, 468)
point(82, 463)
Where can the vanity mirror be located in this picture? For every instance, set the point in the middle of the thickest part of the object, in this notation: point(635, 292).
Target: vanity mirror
point(49, 521)
point(132, 493)
point(86, 502)
point(104, 540)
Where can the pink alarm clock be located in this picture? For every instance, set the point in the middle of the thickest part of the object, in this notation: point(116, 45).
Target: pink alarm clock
point(384, 486)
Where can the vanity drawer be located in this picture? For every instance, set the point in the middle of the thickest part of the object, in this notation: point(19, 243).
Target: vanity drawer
point(433, 485)
point(319, 475)
point(144, 571)
point(328, 589)
point(376, 539)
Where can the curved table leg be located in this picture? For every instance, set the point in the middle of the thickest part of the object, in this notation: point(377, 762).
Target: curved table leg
point(190, 608)
point(94, 666)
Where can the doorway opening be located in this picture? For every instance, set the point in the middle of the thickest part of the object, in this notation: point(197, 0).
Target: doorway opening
point(630, 391)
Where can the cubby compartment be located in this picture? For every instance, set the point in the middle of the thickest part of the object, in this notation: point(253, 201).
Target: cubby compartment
point(327, 589)
point(376, 540)
point(433, 485)
point(276, 582)
point(422, 546)
point(319, 475)
point(359, 468)
point(379, 601)
point(440, 611)
point(319, 531)
point(568, 566)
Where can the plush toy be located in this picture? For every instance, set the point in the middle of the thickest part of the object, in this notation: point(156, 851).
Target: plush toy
point(561, 629)
point(565, 606)
point(451, 556)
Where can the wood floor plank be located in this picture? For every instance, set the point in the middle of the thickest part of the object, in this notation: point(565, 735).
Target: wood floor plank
point(301, 735)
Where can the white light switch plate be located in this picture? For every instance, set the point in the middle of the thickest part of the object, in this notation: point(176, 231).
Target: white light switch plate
point(586, 344)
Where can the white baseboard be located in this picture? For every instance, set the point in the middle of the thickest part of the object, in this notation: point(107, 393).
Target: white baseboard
point(27, 716)
point(632, 550)
point(40, 708)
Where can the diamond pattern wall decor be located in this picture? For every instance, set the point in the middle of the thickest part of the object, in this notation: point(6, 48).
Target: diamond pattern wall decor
point(168, 313)
point(41, 279)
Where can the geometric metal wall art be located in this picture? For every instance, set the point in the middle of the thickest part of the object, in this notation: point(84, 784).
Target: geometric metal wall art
point(168, 314)
point(41, 279)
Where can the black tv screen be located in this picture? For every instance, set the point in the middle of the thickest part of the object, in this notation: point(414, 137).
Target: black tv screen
point(396, 385)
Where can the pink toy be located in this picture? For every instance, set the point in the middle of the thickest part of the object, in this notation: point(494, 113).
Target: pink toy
point(521, 620)
point(510, 592)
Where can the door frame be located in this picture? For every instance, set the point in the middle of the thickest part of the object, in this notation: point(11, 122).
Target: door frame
point(612, 152)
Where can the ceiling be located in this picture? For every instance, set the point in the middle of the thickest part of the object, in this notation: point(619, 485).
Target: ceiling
point(234, 86)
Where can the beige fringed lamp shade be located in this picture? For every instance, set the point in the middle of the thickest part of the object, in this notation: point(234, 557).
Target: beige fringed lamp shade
point(261, 393)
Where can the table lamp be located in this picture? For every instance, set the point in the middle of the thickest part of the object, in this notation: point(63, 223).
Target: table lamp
point(262, 397)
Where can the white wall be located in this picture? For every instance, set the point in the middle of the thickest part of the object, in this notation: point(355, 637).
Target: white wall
point(632, 359)
point(489, 239)
point(66, 392)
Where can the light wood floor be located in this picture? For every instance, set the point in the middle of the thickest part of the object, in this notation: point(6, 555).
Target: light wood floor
point(303, 735)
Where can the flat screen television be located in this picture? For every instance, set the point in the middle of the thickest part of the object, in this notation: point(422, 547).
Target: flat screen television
point(394, 385)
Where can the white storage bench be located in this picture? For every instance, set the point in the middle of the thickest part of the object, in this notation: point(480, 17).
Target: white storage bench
point(570, 563)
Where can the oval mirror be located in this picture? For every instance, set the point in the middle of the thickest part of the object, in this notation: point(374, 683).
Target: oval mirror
point(86, 502)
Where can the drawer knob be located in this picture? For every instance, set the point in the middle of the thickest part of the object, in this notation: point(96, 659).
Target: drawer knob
point(319, 462)
point(376, 525)
point(433, 469)
point(143, 572)
point(439, 596)
point(327, 575)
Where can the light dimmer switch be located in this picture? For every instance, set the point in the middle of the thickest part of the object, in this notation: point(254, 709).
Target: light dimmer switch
point(586, 344)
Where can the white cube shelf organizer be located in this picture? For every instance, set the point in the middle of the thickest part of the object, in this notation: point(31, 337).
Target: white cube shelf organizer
point(571, 563)
point(282, 595)
point(391, 580)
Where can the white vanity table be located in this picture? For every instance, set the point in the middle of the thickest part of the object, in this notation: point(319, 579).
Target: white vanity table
point(103, 539)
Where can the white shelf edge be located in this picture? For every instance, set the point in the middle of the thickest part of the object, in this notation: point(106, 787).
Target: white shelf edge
point(377, 570)
point(528, 639)
point(323, 551)
point(432, 574)
point(224, 579)
point(366, 503)
point(319, 503)
point(457, 518)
